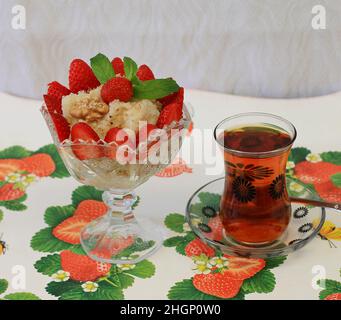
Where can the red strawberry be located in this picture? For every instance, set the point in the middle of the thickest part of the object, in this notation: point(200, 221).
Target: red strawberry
point(119, 138)
point(81, 132)
point(174, 97)
point(61, 125)
point(9, 192)
point(55, 89)
point(41, 164)
point(53, 104)
point(333, 296)
point(8, 166)
point(217, 229)
point(328, 191)
point(118, 66)
point(81, 77)
point(117, 88)
point(217, 284)
point(144, 73)
point(69, 230)
point(81, 267)
point(318, 172)
point(242, 268)
point(196, 247)
point(169, 113)
point(90, 210)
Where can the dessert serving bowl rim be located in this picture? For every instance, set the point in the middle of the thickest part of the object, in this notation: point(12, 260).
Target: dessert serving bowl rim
point(180, 125)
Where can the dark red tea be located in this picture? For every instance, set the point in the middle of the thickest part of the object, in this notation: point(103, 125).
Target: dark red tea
point(255, 207)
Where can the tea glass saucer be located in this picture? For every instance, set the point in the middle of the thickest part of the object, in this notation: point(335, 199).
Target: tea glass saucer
point(203, 210)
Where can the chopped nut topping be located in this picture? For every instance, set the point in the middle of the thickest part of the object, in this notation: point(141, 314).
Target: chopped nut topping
point(89, 109)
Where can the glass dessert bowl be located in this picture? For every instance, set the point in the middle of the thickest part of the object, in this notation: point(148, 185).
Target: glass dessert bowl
point(104, 238)
point(116, 127)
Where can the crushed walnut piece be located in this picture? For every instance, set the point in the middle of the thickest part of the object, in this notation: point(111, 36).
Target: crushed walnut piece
point(89, 109)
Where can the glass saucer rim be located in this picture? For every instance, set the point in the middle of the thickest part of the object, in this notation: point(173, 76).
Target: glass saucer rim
point(262, 250)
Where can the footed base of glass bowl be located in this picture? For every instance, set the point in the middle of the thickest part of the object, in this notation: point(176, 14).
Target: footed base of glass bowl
point(118, 238)
point(119, 242)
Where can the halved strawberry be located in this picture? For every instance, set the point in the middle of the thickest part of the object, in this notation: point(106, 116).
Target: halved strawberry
point(177, 97)
point(57, 90)
point(8, 166)
point(69, 230)
point(9, 192)
point(81, 76)
point(217, 285)
point(90, 210)
point(122, 144)
point(41, 164)
point(61, 125)
point(86, 137)
point(117, 89)
point(242, 268)
point(144, 73)
point(81, 267)
point(118, 66)
point(53, 104)
point(196, 247)
point(169, 113)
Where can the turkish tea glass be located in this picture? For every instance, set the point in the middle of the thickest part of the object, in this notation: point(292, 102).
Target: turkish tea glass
point(255, 207)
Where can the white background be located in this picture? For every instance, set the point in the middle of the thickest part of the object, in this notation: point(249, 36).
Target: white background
point(251, 47)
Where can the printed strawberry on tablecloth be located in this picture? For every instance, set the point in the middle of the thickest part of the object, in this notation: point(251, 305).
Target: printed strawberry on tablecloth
point(74, 276)
point(19, 168)
point(320, 171)
point(331, 289)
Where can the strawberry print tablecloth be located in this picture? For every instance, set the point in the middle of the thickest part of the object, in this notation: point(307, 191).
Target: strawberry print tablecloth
point(42, 210)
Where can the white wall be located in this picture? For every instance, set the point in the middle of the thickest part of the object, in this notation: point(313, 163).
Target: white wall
point(245, 47)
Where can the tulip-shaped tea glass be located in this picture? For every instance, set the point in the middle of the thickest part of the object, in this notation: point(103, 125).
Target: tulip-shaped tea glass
point(110, 238)
point(255, 208)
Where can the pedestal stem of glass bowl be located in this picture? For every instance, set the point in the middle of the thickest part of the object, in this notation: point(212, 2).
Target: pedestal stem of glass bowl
point(118, 232)
point(120, 206)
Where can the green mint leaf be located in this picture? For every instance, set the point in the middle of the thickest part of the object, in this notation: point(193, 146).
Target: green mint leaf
point(155, 89)
point(102, 68)
point(130, 68)
point(336, 178)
